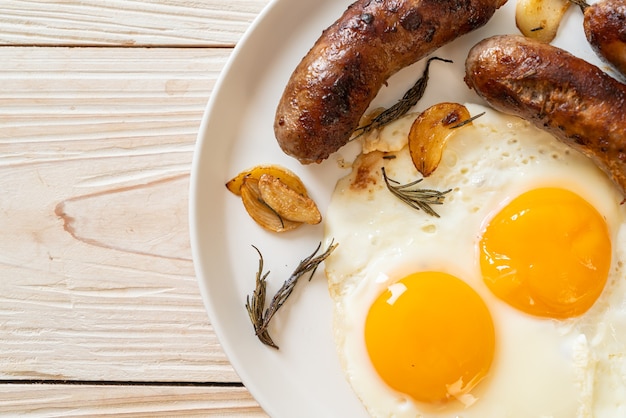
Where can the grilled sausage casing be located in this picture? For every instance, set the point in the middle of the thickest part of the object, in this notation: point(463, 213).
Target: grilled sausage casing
point(572, 99)
point(335, 82)
point(605, 28)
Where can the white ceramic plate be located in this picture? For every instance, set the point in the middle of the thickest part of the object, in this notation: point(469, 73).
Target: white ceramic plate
point(303, 378)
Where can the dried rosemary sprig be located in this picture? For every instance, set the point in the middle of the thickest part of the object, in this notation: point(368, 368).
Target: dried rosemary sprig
point(416, 197)
point(255, 304)
point(410, 99)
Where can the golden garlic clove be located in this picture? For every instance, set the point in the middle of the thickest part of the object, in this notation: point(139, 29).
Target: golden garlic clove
point(285, 175)
point(260, 211)
point(287, 202)
point(540, 19)
point(430, 133)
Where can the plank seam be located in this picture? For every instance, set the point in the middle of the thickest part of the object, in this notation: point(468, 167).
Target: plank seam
point(115, 383)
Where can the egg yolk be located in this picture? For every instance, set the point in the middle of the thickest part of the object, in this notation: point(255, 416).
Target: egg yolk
point(547, 253)
point(430, 336)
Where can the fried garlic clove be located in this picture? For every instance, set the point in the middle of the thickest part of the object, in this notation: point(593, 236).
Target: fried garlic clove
point(540, 19)
point(287, 202)
point(260, 211)
point(430, 133)
point(285, 175)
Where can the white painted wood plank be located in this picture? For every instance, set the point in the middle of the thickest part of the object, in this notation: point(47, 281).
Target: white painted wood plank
point(96, 276)
point(153, 401)
point(201, 23)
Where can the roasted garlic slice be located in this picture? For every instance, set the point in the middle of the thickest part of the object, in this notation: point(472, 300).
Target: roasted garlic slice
point(430, 132)
point(540, 19)
point(275, 198)
point(260, 211)
point(287, 202)
point(285, 175)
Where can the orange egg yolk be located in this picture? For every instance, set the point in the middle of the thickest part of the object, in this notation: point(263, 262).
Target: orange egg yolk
point(547, 253)
point(430, 336)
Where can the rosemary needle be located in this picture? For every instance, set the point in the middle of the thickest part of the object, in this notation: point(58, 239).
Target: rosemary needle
point(467, 121)
point(255, 303)
point(416, 197)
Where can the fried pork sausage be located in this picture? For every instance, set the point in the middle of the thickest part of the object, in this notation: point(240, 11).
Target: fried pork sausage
point(335, 82)
point(605, 29)
point(572, 99)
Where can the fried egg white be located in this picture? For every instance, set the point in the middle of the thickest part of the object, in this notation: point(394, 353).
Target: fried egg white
point(540, 366)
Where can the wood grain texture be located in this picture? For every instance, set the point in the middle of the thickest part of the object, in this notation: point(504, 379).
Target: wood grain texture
point(121, 401)
point(97, 281)
point(171, 23)
point(97, 286)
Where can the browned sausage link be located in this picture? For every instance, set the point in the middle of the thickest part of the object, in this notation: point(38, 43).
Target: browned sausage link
point(605, 28)
point(558, 92)
point(335, 82)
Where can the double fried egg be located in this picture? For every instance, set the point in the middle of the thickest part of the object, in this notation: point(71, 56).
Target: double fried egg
point(510, 303)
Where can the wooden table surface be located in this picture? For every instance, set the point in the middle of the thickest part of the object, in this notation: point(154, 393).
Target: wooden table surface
point(100, 105)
